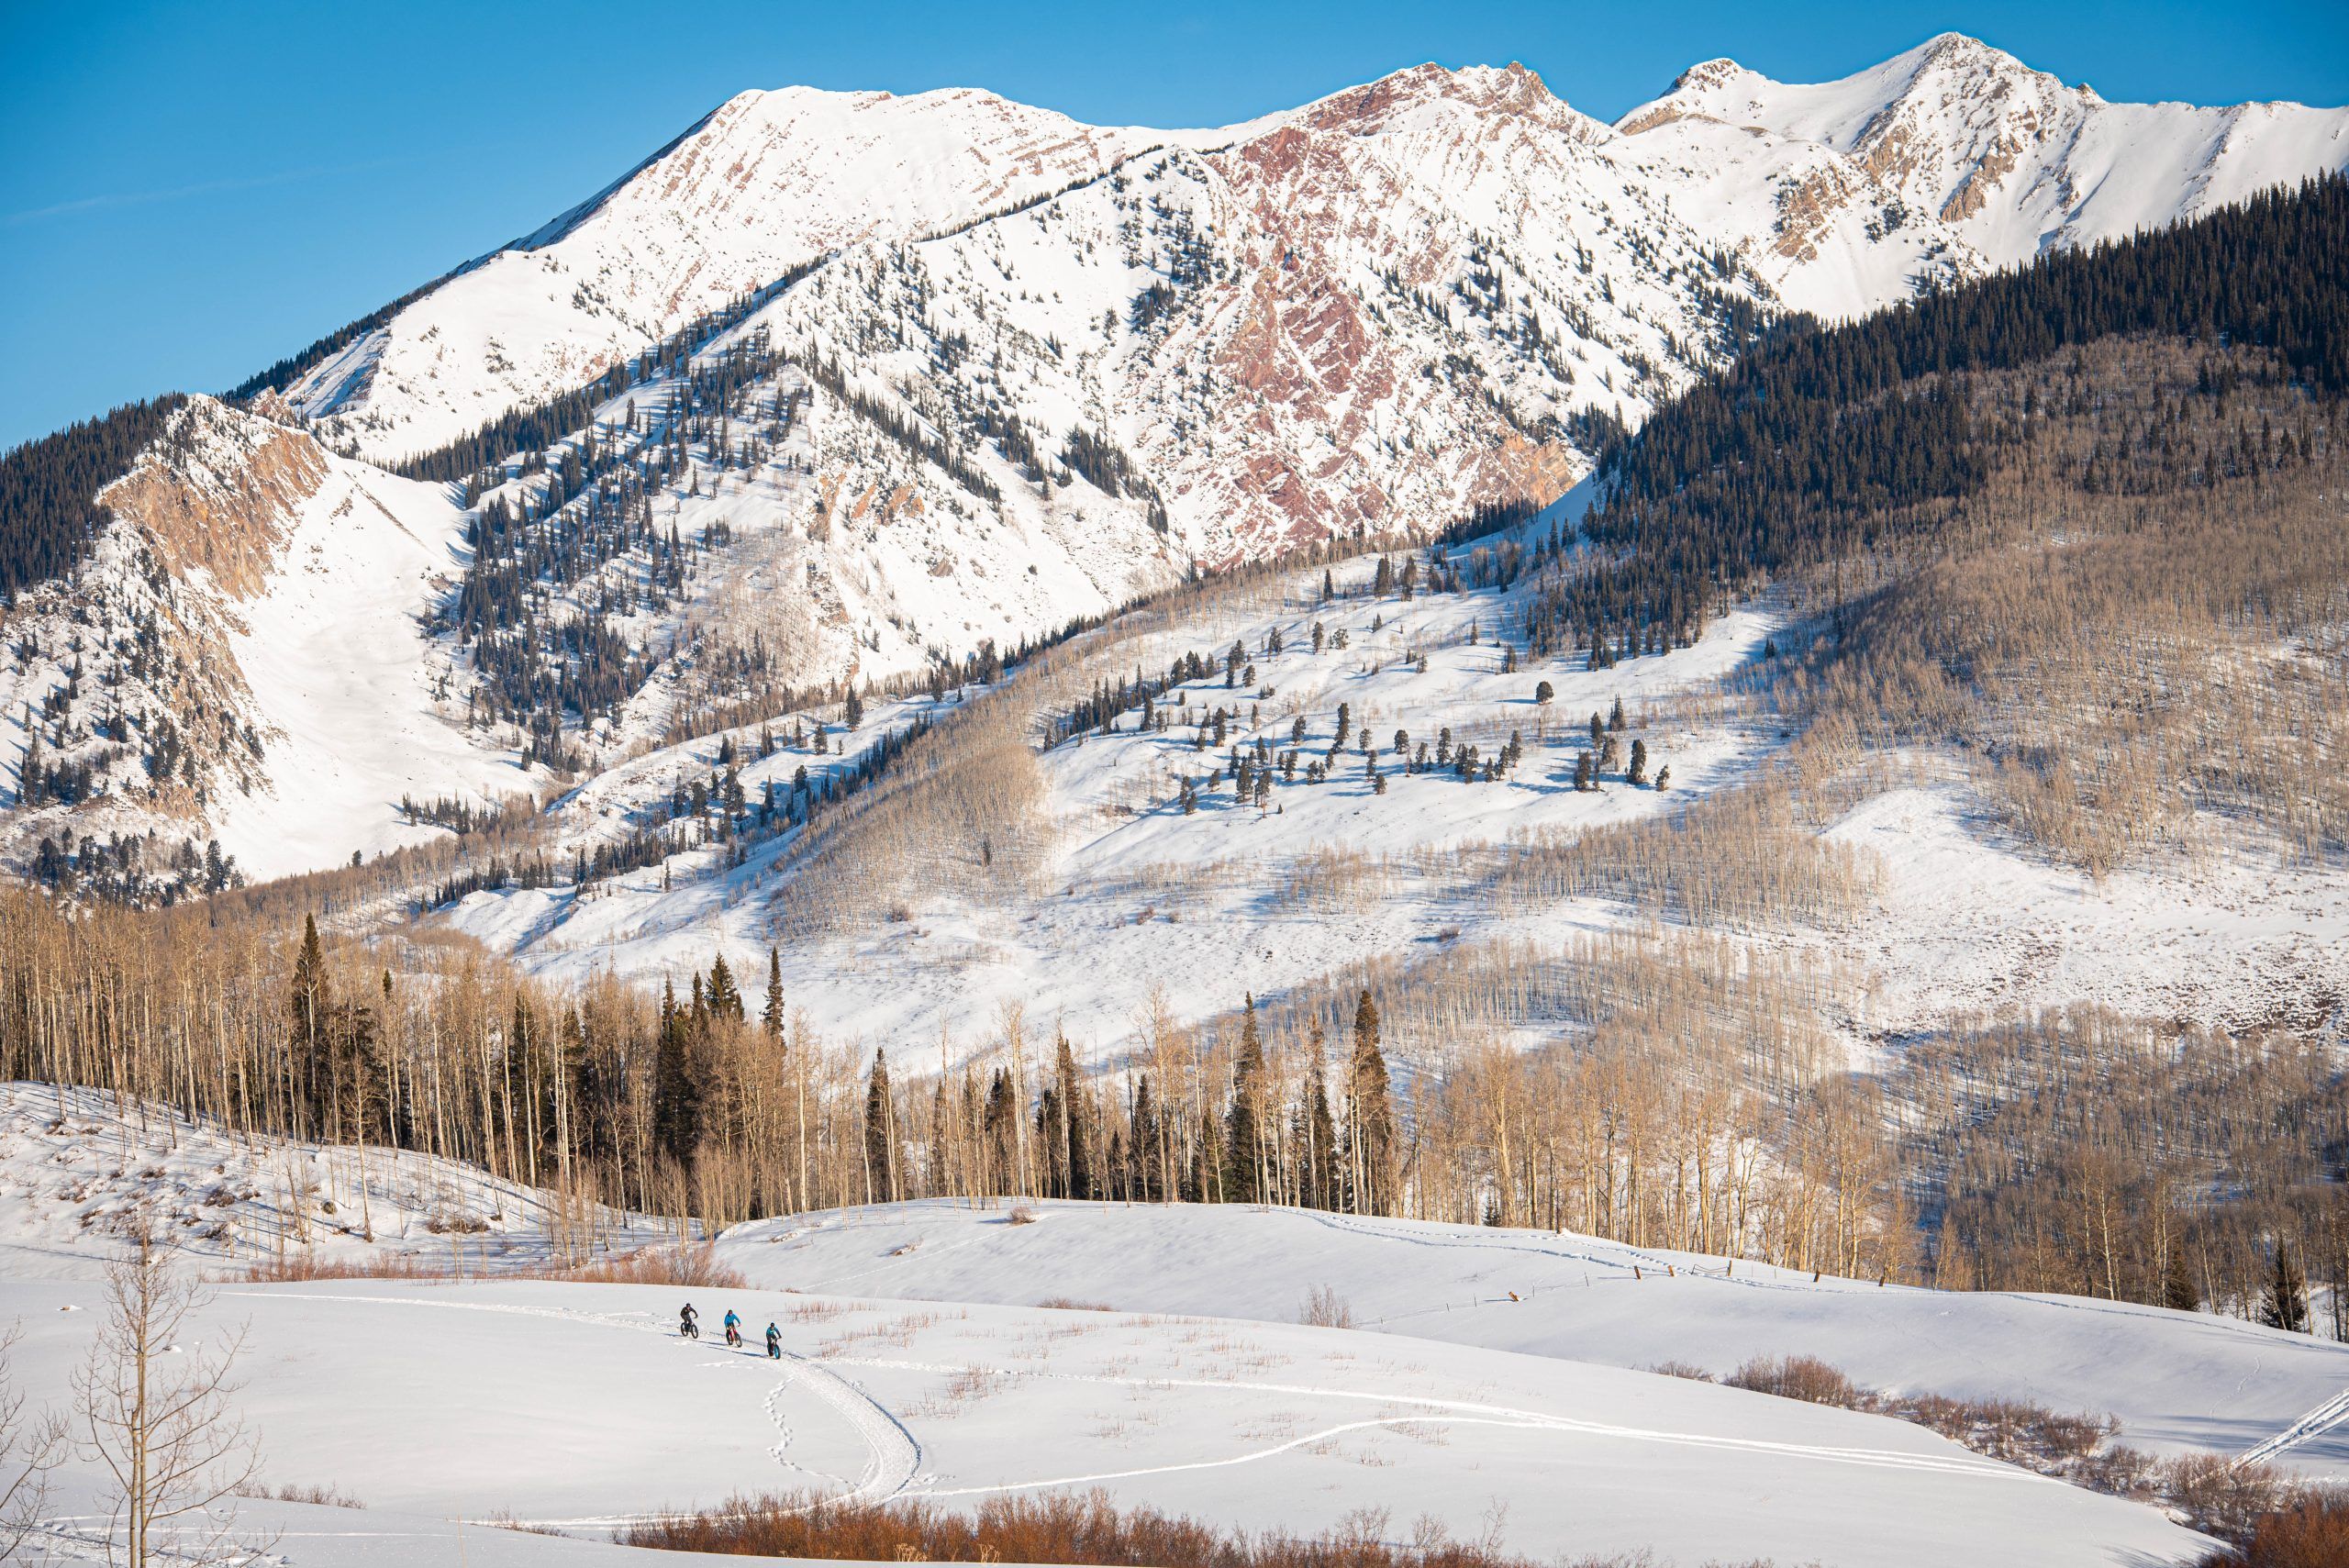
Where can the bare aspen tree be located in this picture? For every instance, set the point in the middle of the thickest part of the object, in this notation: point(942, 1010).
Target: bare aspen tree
point(32, 1444)
point(153, 1412)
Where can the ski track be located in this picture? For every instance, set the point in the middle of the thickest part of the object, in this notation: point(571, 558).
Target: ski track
point(893, 1456)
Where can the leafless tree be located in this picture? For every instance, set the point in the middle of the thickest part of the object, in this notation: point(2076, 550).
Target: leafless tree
point(31, 1445)
point(152, 1410)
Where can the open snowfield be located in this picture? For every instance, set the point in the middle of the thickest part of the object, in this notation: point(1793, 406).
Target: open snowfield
point(341, 665)
point(2178, 1382)
point(923, 1360)
point(1969, 919)
point(577, 1407)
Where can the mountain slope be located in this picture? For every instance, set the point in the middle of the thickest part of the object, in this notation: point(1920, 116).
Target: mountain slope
point(768, 181)
point(845, 388)
point(241, 659)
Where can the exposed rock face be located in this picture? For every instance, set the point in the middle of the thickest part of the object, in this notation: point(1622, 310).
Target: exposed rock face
point(219, 493)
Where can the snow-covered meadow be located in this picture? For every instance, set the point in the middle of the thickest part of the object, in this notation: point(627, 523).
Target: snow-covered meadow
point(1502, 1382)
point(577, 1407)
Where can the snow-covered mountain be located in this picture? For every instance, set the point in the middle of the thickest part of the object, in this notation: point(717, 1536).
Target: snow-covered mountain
point(243, 659)
point(767, 181)
point(997, 370)
point(1954, 157)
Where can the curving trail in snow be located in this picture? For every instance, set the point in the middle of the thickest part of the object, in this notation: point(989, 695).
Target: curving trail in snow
point(894, 1457)
point(1464, 1412)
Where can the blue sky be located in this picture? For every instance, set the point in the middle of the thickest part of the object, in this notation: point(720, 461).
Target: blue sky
point(190, 191)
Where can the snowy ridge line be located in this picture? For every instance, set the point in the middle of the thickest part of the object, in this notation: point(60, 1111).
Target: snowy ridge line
point(1470, 1412)
point(2315, 1424)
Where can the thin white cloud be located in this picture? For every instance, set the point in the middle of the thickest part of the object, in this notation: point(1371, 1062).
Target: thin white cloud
point(209, 187)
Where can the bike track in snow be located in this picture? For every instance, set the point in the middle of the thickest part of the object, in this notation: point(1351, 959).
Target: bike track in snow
point(892, 1456)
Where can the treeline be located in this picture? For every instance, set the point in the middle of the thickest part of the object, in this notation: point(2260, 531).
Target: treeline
point(1815, 444)
point(2079, 1151)
point(703, 1103)
point(292, 368)
point(48, 488)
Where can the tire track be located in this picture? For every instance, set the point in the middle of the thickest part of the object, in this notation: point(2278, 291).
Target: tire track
point(892, 1456)
point(1474, 1413)
point(2314, 1424)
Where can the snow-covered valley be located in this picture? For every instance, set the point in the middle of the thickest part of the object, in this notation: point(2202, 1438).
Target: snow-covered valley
point(1424, 821)
point(1496, 1381)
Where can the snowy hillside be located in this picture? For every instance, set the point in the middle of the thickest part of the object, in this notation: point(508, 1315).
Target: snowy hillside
point(1130, 890)
point(77, 1168)
point(1395, 856)
point(2178, 1382)
point(243, 659)
point(1262, 1425)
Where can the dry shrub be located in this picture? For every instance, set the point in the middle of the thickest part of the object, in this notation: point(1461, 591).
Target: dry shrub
point(1806, 1378)
point(1087, 1528)
point(324, 1497)
point(295, 1268)
point(689, 1264)
point(2220, 1497)
point(1687, 1370)
point(2310, 1533)
point(1325, 1308)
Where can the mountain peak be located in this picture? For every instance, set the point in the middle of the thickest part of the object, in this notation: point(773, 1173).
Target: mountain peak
point(1511, 91)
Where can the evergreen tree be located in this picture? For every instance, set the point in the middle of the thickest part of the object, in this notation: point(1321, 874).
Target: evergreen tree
point(1147, 1184)
point(2284, 1300)
point(1371, 1136)
point(2179, 1293)
point(771, 1017)
point(1319, 1143)
point(1078, 1152)
point(1244, 1172)
point(725, 999)
point(308, 1003)
point(880, 1167)
point(676, 1095)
